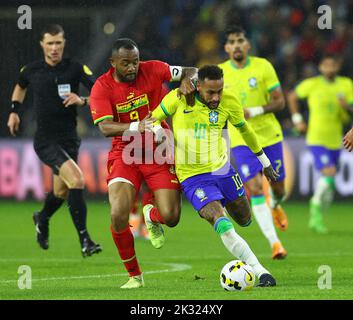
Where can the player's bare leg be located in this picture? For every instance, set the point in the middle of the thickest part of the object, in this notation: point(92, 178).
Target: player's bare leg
point(121, 197)
point(52, 203)
point(168, 202)
point(240, 211)
point(134, 218)
point(166, 211)
point(214, 213)
point(72, 176)
point(277, 195)
point(322, 199)
point(263, 216)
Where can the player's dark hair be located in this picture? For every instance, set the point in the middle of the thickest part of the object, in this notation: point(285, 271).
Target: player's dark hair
point(124, 43)
point(210, 72)
point(234, 29)
point(52, 29)
point(329, 56)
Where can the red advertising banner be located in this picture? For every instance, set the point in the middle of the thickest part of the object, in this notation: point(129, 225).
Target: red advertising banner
point(23, 176)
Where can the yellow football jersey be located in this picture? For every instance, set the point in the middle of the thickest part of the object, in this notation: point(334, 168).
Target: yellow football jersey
point(199, 146)
point(253, 84)
point(326, 116)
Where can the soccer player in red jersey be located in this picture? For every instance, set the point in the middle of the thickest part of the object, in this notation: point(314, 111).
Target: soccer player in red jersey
point(121, 103)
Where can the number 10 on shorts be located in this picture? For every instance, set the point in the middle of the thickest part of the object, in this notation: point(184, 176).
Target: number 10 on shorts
point(238, 182)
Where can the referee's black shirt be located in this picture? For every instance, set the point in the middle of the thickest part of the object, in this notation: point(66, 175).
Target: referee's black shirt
point(54, 120)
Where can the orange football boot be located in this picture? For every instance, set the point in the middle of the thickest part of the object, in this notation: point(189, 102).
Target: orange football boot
point(278, 251)
point(280, 218)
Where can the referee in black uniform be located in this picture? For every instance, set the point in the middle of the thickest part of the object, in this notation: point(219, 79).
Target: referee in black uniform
point(55, 83)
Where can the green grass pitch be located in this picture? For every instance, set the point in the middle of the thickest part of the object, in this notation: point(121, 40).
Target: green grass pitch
point(187, 267)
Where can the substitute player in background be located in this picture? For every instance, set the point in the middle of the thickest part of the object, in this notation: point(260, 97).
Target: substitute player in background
point(202, 164)
point(55, 83)
point(121, 102)
point(330, 99)
point(260, 94)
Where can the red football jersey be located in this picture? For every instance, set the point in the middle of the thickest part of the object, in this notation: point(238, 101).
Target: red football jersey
point(129, 101)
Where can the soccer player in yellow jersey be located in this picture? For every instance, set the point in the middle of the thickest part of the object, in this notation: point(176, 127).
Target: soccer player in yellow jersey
point(202, 164)
point(255, 81)
point(330, 99)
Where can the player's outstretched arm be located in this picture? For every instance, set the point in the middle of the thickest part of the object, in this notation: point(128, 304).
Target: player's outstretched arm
point(166, 108)
point(159, 114)
point(17, 98)
point(111, 128)
point(250, 139)
point(297, 118)
point(276, 104)
point(348, 140)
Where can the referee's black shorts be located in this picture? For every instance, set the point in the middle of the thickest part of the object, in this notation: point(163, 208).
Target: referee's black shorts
point(55, 152)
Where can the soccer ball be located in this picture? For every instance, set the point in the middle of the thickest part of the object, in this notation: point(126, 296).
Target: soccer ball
point(237, 275)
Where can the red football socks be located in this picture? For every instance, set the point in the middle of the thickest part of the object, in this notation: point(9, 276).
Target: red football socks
point(147, 198)
point(124, 242)
point(155, 216)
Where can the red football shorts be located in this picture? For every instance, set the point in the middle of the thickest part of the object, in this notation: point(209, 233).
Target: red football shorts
point(156, 176)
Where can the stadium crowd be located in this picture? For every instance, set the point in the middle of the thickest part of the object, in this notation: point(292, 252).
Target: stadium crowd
point(191, 33)
point(284, 32)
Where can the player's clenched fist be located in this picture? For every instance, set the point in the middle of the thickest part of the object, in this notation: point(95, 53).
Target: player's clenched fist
point(348, 140)
point(146, 124)
point(187, 88)
point(270, 173)
point(13, 123)
point(301, 127)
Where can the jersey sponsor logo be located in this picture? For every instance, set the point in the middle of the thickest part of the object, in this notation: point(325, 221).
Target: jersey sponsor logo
point(132, 104)
point(252, 82)
point(213, 116)
point(200, 193)
point(87, 70)
point(188, 111)
point(130, 96)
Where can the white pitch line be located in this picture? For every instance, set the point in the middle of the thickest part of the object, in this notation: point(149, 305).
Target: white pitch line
point(175, 267)
point(100, 259)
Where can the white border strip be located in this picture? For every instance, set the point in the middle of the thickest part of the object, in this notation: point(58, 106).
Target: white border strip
point(119, 179)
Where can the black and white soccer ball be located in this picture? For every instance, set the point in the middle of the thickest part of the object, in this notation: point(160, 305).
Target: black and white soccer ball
point(236, 275)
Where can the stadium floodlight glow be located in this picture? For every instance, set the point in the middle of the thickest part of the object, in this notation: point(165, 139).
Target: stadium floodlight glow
point(109, 28)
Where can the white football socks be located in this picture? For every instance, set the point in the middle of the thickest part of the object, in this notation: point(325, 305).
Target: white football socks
point(264, 218)
point(237, 246)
